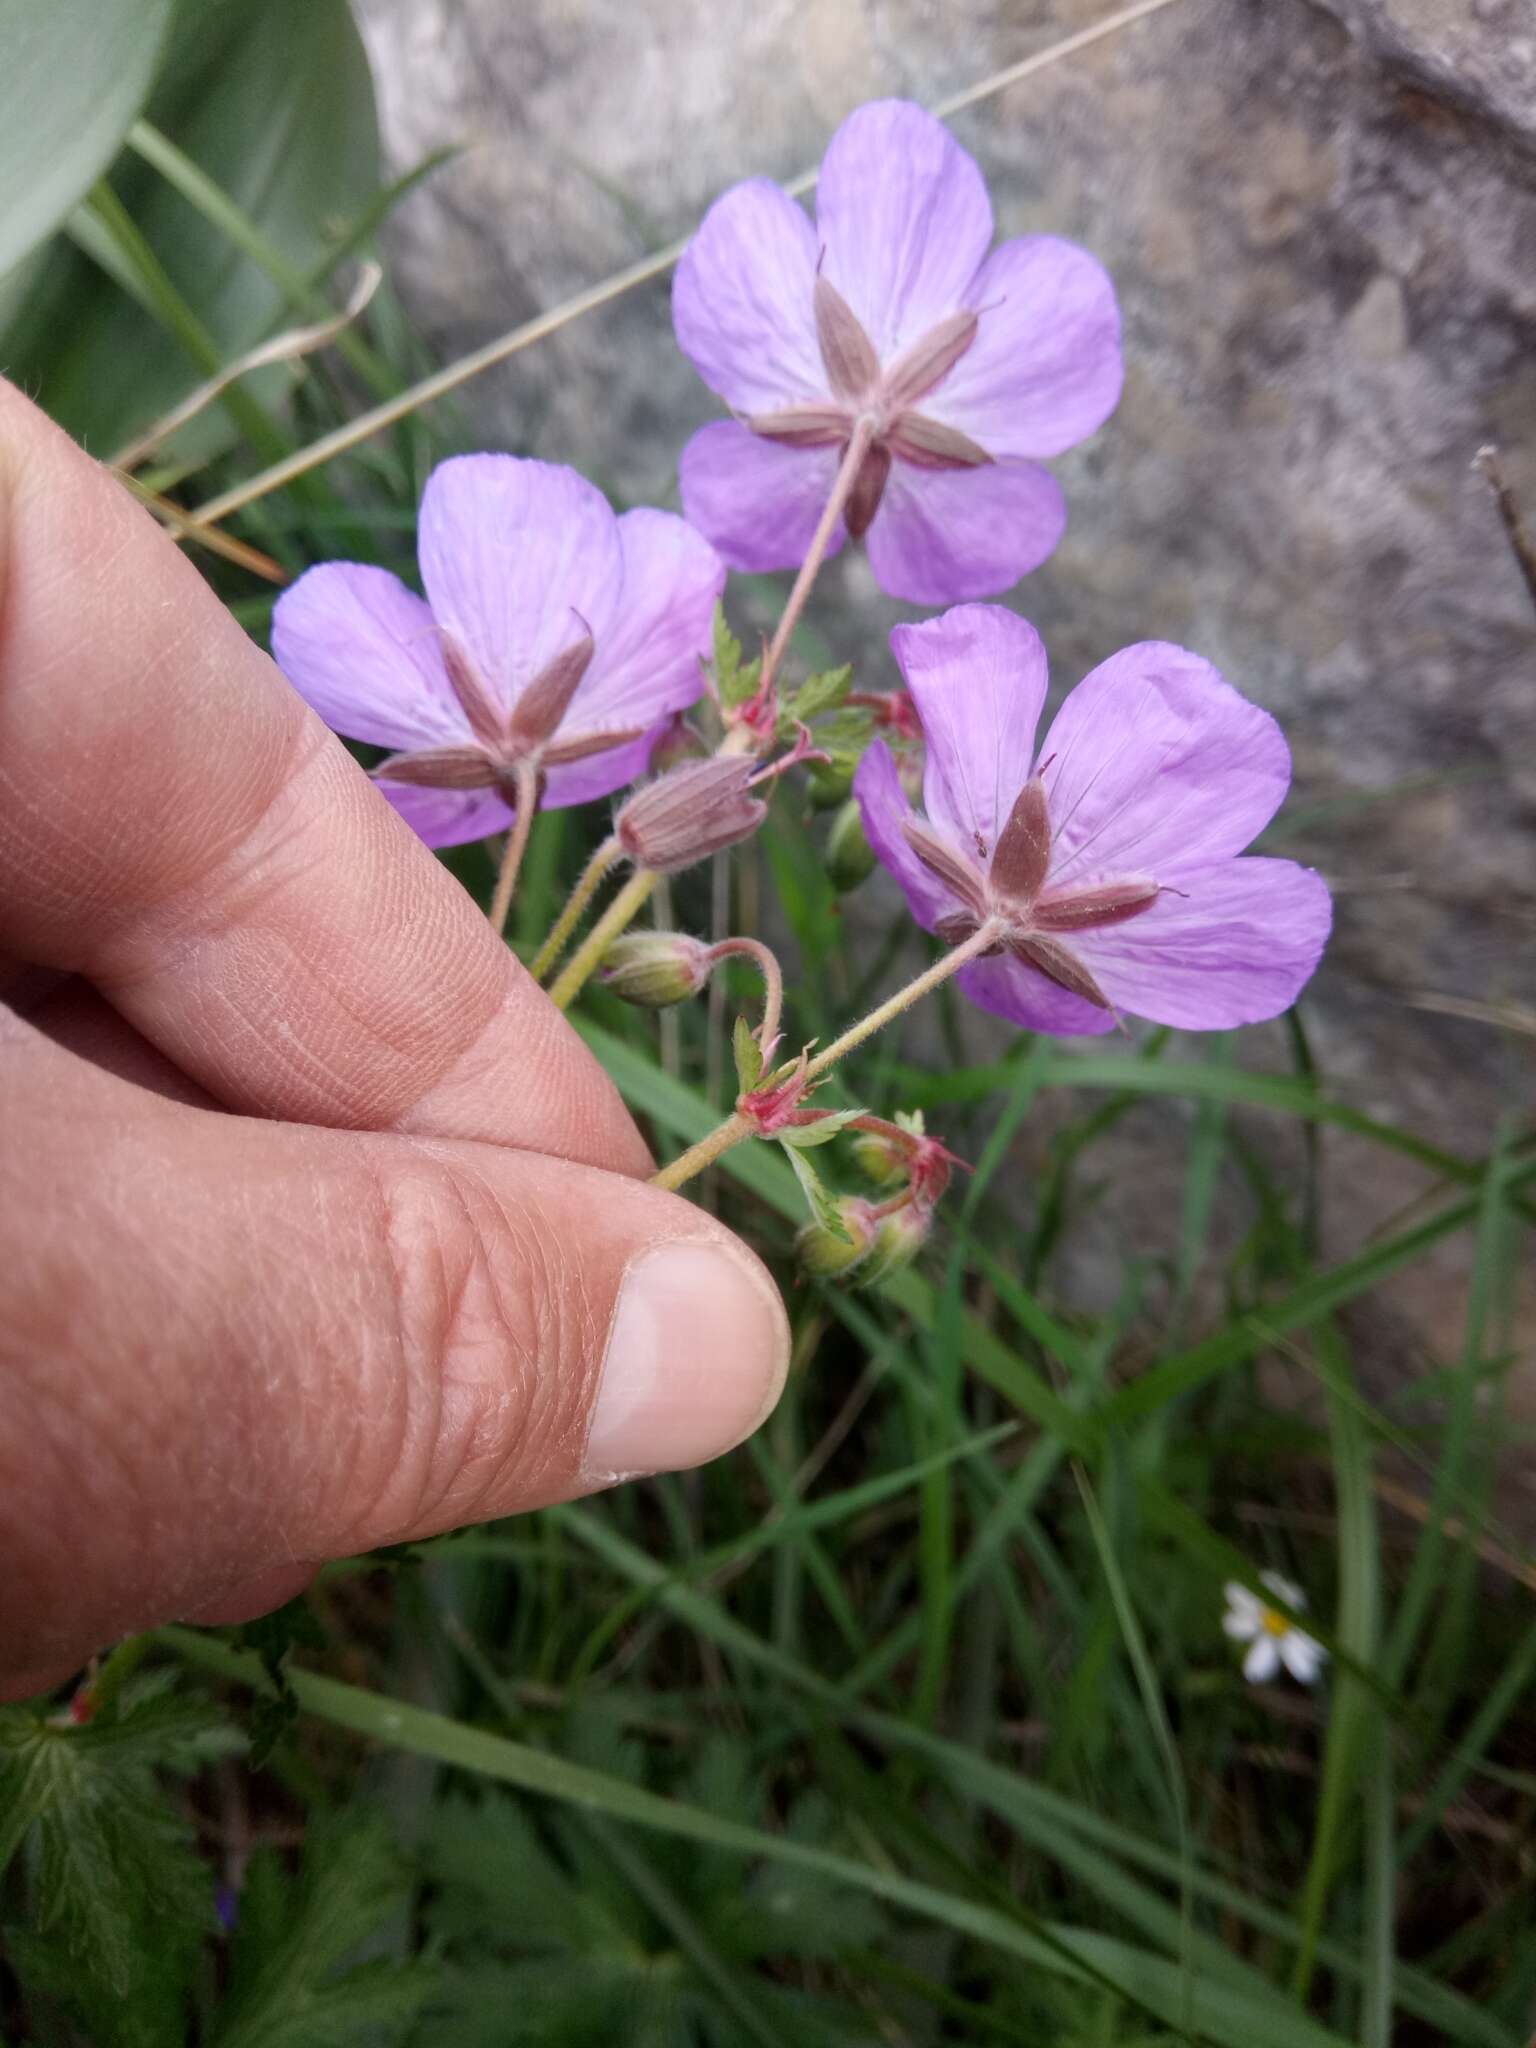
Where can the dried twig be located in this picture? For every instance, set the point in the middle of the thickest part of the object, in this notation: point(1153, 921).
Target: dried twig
point(1487, 463)
point(281, 348)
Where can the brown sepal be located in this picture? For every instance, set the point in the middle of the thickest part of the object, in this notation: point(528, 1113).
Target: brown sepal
point(802, 426)
point(539, 709)
point(442, 768)
point(1095, 904)
point(952, 868)
point(1060, 964)
point(852, 366)
point(917, 369)
point(929, 444)
point(1022, 857)
point(487, 719)
point(580, 745)
point(868, 489)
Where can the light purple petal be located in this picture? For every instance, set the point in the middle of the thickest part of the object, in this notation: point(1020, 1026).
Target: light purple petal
point(519, 559)
point(448, 817)
point(903, 215)
point(1155, 761)
point(742, 302)
point(882, 806)
point(1235, 945)
point(978, 677)
point(1044, 370)
point(647, 663)
point(1013, 989)
point(583, 782)
point(363, 651)
point(758, 501)
point(942, 535)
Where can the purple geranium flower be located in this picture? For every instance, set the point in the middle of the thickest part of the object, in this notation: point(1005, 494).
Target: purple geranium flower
point(969, 362)
point(1110, 861)
point(555, 636)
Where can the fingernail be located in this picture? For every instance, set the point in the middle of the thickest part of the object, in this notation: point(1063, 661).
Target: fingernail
point(697, 1352)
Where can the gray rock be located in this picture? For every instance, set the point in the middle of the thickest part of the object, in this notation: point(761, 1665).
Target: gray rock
point(1322, 223)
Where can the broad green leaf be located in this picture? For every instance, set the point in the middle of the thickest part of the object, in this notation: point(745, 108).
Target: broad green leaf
point(275, 104)
point(73, 74)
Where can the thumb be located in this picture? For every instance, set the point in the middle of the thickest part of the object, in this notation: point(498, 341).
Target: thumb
point(231, 1348)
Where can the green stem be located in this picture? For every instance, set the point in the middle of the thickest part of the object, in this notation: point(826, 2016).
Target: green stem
point(617, 918)
point(736, 1126)
point(586, 888)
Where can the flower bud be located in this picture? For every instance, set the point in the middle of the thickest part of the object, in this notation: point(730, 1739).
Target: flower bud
point(898, 1240)
point(883, 1158)
point(828, 784)
point(656, 969)
point(826, 1253)
point(849, 855)
point(690, 813)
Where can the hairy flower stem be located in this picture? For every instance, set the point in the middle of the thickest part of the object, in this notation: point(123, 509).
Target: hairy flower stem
point(847, 475)
point(737, 1126)
point(615, 920)
point(767, 965)
point(625, 906)
point(527, 799)
point(586, 888)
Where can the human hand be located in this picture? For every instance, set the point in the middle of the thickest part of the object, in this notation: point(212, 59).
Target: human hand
point(319, 1228)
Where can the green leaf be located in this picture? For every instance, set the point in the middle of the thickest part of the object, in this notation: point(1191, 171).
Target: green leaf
point(272, 1637)
point(286, 1988)
point(749, 1056)
point(119, 1896)
point(273, 103)
point(806, 1137)
point(75, 73)
point(734, 678)
point(817, 695)
point(821, 1201)
point(1219, 2009)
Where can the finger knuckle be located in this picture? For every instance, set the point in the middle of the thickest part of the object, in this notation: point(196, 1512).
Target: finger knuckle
point(489, 1334)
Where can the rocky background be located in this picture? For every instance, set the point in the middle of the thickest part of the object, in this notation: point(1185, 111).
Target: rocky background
point(1322, 222)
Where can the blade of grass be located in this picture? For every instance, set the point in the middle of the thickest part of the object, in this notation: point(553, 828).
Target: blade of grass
point(1156, 1713)
point(1221, 2014)
point(1359, 1739)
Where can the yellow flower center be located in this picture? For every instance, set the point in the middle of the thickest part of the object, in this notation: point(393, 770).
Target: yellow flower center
point(1274, 1624)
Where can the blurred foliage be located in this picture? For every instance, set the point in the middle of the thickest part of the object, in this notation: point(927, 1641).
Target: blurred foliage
point(273, 101)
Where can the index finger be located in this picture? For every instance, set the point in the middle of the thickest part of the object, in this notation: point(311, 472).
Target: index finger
point(178, 827)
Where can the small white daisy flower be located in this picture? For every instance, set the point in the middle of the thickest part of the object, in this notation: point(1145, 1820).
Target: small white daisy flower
point(1272, 1640)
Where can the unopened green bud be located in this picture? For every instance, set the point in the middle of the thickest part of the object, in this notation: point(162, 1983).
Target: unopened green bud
point(827, 1252)
point(898, 1240)
point(656, 969)
point(849, 855)
point(882, 1158)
